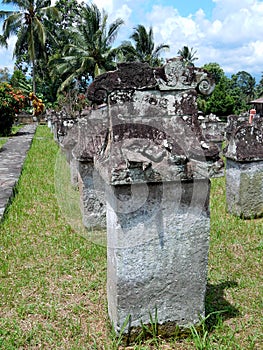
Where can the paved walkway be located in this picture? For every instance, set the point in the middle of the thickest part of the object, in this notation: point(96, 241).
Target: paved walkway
point(12, 157)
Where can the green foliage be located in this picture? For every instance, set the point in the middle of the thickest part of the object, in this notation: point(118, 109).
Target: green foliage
point(216, 71)
point(27, 24)
point(242, 90)
point(221, 102)
point(19, 81)
point(89, 48)
point(11, 102)
point(188, 55)
point(259, 88)
point(245, 82)
point(144, 49)
point(230, 96)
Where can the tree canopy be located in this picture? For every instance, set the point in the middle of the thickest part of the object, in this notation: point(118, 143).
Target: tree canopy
point(65, 46)
point(27, 24)
point(143, 48)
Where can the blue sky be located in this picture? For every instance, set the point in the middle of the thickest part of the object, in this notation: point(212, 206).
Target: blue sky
point(229, 32)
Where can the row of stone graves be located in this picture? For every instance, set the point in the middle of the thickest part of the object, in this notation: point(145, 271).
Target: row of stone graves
point(142, 164)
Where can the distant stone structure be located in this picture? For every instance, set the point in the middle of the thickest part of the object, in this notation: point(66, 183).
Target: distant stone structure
point(244, 170)
point(154, 162)
point(213, 128)
point(91, 136)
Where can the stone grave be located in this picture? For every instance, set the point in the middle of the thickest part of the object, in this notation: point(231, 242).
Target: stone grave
point(91, 132)
point(244, 170)
point(155, 164)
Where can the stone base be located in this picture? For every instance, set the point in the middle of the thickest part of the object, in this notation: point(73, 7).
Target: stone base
point(157, 254)
point(92, 202)
point(244, 188)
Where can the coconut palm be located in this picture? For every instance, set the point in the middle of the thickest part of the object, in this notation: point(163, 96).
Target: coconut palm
point(144, 49)
point(27, 23)
point(188, 55)
point(90, 51)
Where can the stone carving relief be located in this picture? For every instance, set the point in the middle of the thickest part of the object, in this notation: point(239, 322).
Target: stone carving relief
point(174, 75)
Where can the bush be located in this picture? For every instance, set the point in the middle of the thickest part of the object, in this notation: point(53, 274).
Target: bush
point(11, 102)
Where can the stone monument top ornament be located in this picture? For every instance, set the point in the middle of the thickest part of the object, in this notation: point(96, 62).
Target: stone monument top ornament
point(174, 75)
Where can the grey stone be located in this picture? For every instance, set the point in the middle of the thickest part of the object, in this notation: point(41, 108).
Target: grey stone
point(12, 157)
point(157, 254)
point(92, 200)
point(91, 134)
point(155, 167)
point(244, 170)
point(244, 188)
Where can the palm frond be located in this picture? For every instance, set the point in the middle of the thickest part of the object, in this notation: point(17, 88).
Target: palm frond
point(39, 30)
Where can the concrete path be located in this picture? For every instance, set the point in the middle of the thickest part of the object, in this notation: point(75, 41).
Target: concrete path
point(12, 157)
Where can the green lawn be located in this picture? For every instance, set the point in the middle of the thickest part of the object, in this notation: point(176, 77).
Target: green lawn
point(53, 279)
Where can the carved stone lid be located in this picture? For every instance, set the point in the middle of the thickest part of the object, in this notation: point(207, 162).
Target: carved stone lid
point(174, 75)
point(136, 153)
point(246, 142)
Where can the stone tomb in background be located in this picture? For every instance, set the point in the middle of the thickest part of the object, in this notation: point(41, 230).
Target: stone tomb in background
point(244, 170)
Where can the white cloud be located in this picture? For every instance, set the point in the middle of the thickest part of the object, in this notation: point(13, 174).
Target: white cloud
point(233, 37)
point(224, 8)
point(107, 5)
point(7, 54)
point(124, 12)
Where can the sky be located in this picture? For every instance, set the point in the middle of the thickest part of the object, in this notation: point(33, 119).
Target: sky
point(228, 32)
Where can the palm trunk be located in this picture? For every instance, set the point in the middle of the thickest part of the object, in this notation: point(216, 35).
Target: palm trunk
point(33, 77)
point(33, 56)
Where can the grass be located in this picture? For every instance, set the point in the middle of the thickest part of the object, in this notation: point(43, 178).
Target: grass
point(53, 279)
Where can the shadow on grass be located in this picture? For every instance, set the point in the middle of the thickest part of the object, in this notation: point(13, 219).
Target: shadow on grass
point(217, 306)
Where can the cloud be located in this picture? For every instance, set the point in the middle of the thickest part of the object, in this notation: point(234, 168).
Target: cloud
point(107, 5)
point(7, 54)
point(232, 37)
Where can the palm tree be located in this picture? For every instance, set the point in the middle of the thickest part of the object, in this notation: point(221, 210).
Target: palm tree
point(188, 55)
point(144, 49)
point(27, 23)
point(90, 51)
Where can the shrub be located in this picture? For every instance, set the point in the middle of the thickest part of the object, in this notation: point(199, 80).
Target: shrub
point(11, 102)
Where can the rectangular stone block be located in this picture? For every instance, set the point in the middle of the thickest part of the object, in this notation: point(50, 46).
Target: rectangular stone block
point(244, 188)
point(158, 240)
point(92, 204)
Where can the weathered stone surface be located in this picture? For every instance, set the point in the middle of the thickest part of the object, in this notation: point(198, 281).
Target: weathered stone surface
point(92, 202)
point(233, 122)
point(140, 76)
point(67, 145)
point(213, 130)
point(90, 140)
point(155, 164)
point(168, 145)
point(157, 254)
point(244, 170)
point(12, 157)
point(246, 142)
point(244, 188)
